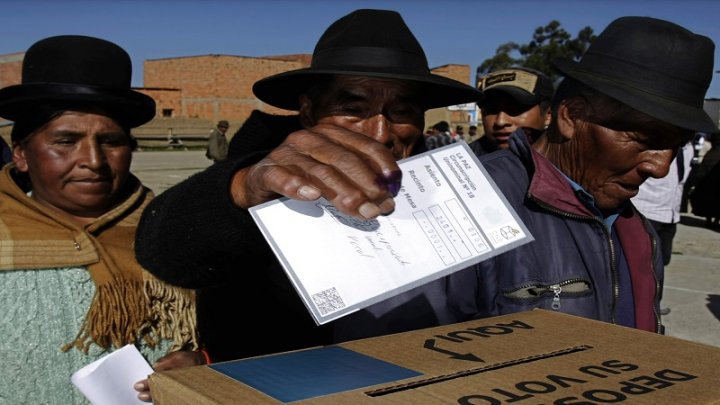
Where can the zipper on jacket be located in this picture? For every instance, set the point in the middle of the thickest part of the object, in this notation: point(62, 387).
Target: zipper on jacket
point(613, 265)
point(556, 299)
point(572, 287)
point(656, 308)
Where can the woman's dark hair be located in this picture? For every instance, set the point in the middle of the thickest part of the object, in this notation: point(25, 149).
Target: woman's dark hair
point(43, 114)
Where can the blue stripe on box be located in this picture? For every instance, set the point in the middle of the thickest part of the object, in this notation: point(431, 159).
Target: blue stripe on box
point(310, 373)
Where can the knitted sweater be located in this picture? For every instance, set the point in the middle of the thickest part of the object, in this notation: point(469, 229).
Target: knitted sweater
point(72, 293)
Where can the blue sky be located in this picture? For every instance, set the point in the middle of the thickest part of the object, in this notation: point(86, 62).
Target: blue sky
point(451, 31)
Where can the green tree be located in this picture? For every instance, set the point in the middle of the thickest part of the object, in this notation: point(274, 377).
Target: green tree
point(548, 42)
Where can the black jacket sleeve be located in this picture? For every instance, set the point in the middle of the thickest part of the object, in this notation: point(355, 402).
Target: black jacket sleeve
point(192, 235)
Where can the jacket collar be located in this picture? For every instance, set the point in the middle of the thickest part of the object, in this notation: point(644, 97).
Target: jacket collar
point(548, 185)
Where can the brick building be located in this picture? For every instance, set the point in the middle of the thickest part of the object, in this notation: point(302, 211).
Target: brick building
point(194, 92)
point(220, 86)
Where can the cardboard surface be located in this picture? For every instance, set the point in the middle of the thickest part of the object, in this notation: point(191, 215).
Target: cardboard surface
point(535, 357)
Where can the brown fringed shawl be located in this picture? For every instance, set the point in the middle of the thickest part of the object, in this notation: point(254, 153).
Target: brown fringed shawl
point(129, 303)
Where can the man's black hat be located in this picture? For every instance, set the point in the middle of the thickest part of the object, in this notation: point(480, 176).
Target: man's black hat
point(654, 66)
point(75, 70)
point(374, 43)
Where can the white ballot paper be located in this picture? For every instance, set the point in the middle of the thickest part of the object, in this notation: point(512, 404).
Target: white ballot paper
point(110, 379)
point(449, 215)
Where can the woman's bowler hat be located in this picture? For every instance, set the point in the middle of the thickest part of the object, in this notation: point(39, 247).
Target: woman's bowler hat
point(374, 43)
point(75, 70)
point(654, 66)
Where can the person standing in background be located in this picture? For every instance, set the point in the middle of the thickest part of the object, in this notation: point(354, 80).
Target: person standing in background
point(472, 132)
point(439, 137)
point(514, 98)
point(459, 134)
point(659, 200)
point(704, 200)
point(217, 149)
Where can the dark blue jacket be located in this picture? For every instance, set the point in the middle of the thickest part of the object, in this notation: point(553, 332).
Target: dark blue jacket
point(571, 266)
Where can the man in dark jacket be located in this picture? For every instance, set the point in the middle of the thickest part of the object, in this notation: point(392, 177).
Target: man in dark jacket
point(361, 107)
point(592, 255)
point(619, 117)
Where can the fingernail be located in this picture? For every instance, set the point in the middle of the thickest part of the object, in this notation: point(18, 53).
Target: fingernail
point(388, 206)
point(309, 193)
point(139, 386)
point(369, 210)
point(144, 397)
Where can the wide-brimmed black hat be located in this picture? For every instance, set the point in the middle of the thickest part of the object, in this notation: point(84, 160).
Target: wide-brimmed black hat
point(75, 70)
point(654, 66)
point(374, 43)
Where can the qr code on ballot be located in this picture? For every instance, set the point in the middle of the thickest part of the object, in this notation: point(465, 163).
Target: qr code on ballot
point(328, 301)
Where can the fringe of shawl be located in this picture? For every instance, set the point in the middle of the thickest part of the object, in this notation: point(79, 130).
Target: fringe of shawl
point(129, 305)
point(153, 309)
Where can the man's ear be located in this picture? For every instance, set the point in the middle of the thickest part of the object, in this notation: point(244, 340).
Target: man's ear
point(18, 157)
point(567, 118)
point(306, 117)
point(548, 118)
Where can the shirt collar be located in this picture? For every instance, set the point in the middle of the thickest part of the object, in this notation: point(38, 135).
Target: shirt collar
point(589, 201)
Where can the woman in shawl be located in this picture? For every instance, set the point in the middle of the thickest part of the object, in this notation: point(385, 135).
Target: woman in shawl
point(71, 289)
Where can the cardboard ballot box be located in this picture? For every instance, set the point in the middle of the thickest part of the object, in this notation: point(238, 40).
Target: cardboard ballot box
point(534, 357)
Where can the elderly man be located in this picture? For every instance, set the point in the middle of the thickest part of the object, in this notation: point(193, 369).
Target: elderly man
point(619, 117)
point(514, 98)
point(361, 107)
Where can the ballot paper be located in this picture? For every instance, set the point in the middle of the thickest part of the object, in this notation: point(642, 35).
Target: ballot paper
point(449, 215)
point(110, 379)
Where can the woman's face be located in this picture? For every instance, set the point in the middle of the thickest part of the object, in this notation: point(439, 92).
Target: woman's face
point(78, 163)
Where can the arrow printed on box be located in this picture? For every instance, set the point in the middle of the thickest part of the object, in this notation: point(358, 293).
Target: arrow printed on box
point(430, 344)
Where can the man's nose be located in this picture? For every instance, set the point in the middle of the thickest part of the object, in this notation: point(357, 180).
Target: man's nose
point(658, 165)
point(501, 119)
point(378, 128)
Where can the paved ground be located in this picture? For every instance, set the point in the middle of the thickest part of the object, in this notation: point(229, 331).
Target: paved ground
point(161, 169)
point(692, 284)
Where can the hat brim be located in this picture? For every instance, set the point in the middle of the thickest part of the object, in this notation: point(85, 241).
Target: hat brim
point(519, 95)
point(134, 108)
point(283, 90)
point(661, 108)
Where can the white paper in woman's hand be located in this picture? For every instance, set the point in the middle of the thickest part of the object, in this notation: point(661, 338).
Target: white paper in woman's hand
point(110, 379)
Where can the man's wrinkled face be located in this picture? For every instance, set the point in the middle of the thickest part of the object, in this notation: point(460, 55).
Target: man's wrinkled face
point(502, 115)
point(615, 156)
point(389, 111)
point(78, 163)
